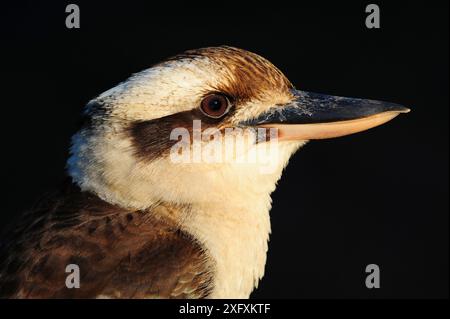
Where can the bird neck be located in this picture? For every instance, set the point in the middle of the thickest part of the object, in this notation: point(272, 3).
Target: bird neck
point(236, 237)
point(228, 206)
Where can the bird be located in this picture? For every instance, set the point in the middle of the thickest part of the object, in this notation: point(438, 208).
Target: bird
point(140, 224)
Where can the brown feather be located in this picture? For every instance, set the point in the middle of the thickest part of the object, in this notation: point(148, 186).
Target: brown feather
point(121, 254)
point(247, 75)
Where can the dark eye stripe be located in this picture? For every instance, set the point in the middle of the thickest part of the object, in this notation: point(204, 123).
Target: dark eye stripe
point(151, 139)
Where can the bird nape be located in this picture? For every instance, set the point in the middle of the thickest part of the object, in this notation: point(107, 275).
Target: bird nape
point(147, 210)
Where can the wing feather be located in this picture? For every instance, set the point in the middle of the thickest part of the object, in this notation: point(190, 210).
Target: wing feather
point(120, 253)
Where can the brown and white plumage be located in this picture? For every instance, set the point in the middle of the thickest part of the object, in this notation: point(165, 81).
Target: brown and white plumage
point(122, 253)
point(141, 226)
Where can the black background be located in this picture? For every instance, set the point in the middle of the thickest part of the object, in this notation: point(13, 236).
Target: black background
point(376, 197)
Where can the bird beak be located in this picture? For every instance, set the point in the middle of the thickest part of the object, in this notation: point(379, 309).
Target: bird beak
point(317, 116)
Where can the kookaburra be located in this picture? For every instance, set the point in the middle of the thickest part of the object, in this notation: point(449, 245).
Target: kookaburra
point(139, 224)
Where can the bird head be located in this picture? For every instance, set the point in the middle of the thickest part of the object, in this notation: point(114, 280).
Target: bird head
point(208, 125)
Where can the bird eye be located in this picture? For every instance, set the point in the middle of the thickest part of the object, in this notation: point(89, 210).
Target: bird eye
point(215, 105)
